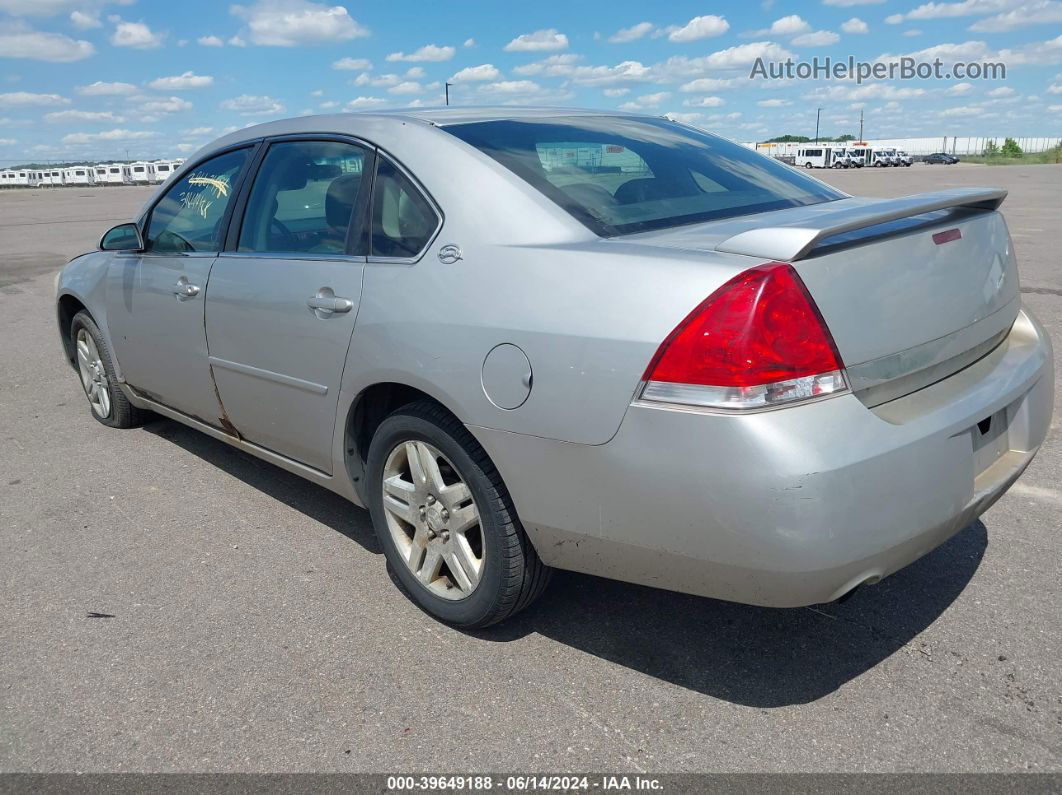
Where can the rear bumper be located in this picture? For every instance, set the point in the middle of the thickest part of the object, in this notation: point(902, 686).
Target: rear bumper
point(788, 507)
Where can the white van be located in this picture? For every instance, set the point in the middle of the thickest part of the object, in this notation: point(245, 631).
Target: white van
point(820, 156)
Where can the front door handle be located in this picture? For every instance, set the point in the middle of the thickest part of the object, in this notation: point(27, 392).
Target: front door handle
point(184, 289)
point(327, 303)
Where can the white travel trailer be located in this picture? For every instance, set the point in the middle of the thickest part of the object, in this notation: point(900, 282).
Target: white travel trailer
point(142, 172)
point(115, 174)
point(78, 175)
point(164, 168)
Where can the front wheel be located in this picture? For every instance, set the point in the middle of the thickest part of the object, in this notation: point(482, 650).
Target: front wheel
point(95, 365)
point(807, 165)
point(446, 522)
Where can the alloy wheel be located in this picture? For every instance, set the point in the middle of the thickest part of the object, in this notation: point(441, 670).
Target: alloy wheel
point(93, 374)
point(433, 520)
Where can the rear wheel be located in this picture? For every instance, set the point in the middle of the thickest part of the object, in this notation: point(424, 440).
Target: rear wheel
point(807, 165)
point(446, 522)
point(95, 365)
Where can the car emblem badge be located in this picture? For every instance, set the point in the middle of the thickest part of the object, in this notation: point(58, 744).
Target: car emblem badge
point(449, 254)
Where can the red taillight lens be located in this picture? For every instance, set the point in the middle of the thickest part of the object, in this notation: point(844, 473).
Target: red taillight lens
point(756, 341)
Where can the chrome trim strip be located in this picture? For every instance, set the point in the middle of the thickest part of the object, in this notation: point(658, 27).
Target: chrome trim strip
point(269, 375)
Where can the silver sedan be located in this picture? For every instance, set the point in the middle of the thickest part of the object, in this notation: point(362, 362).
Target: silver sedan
point(610, 343)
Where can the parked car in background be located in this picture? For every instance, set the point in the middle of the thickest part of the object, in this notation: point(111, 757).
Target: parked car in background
point(903, 158)
point(635, 349)
point(940, 158)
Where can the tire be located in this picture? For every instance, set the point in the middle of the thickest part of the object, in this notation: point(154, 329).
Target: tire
point(807, 165)
point(115, 410)
point(510, 574)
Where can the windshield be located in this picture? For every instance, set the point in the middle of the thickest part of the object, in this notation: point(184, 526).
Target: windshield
point(621, 175)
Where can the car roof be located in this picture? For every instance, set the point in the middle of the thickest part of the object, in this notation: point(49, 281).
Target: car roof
point(382, 119)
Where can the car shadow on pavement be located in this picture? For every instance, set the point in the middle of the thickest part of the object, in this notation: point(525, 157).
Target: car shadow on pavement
point(755, 656)
point(315, 501)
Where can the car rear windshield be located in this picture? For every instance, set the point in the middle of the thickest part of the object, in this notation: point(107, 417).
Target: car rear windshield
point(619, 175)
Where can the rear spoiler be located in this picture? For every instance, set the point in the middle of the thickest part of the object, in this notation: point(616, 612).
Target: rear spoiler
point(788, 243)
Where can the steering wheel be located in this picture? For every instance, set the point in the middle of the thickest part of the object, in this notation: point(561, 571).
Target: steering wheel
point(289, 240)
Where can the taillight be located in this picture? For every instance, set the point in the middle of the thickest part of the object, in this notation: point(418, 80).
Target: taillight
point(757, 341)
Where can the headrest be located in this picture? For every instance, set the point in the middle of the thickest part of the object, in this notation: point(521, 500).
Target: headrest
point(339, 201)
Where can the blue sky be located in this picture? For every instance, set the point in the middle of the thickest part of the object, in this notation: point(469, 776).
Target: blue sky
point(99, 79)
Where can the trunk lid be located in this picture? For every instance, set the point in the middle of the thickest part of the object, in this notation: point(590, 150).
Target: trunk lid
point(912, 289)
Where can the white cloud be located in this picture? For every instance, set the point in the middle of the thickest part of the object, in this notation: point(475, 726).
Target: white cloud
point(1054, 108)
point(773, 103)
point(365, 79)
point(429, 52)
point(1042, 12)
point(294, 23)
point(19, 41)
point(210, 41)
point(181, 82)
point(59, 116)
point(134, 34)
point(847, 3)
point(237, 41)
point(51, 8)
point(820, 38)
point(962, 111)
point(539, 41)
point(487, 71)
point(406, 87)
point(8, 141)
point(1002, 91)
point(934, 10)
point(28, 99)
point(855, 25)
point(560, 65)
point(365, 102)
point(706, 84)
point(894, 19)
point(101, 89)
point(109, 135)
point(511, 87)
point(647, 101)
point(699, 28)
point(469, 42)
point(616, 92)
point(912, 32)
point(84, 20)
point(961, 88)
point(788, 26)
point(352, 64)
point(415, 72)
point(633, 33)
point(250, 105)
point(866, 91)
point(746, 54)
point(705, 102)
point(199, 131)
point(165, 105)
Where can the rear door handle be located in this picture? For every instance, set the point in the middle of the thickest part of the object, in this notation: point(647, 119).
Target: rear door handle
point(327, 303)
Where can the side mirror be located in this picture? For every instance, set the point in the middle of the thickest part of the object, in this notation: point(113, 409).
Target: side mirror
point(124, 237)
